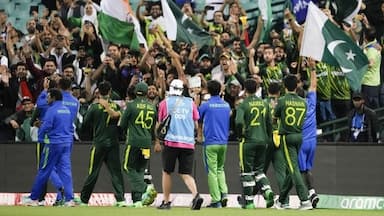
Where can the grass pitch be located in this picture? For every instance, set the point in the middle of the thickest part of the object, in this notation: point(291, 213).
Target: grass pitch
point(175, 211)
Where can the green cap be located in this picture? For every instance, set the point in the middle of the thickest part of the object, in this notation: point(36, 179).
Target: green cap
point(141, 89)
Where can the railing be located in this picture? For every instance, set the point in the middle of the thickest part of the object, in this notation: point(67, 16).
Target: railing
point(341, 126)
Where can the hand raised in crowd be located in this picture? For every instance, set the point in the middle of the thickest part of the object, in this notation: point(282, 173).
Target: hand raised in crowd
point(108, 61)
point(46, 83)
point(252, 52)
point(14, 124)
point(27, 51)
point(311, 62)
point(287, 14)
point(232, 67)
point(4, 75)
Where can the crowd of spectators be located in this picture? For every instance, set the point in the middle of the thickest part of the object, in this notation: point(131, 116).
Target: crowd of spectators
point(64, 41)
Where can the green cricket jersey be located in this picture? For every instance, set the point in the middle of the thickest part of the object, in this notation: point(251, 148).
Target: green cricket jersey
point(139, 119)
point(271, 74)
point(253, 120)
point(323, 81)
point(290, 109)
point(104, 128)
point(270, 100)
point(339, 84)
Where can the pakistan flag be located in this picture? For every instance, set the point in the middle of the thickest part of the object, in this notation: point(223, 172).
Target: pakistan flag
point(187, 30)
point(325, 42)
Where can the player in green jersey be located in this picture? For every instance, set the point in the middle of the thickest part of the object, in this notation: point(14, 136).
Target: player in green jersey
point(253, 122)
point(274, 152)
point(290, 111)
point(138, 120)
point(102, 117)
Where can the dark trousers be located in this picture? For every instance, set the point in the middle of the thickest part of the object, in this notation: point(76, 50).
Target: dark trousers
point(135, 164)
point(111, 157)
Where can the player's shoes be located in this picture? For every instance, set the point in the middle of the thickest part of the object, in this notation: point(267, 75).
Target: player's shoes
point(224, 200)
point(120, 204)
point(149, 196)
point(314, 200)
point(249, 206)
point(137, 204)
point(306, 205)
point(268, 196)
point(27, 201)
point(214, 205)
point(281, 206)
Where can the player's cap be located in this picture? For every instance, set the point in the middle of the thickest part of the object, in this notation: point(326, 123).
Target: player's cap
point(141, 89)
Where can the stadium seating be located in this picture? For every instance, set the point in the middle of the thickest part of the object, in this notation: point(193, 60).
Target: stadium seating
point(19, 11)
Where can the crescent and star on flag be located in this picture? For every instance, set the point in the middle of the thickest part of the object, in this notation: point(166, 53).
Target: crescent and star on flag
point(349, 55)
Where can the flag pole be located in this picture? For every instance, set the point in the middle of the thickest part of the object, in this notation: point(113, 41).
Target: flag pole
point(327, 3)
point(299, 64)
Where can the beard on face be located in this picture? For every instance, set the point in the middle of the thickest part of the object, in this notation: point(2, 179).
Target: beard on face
point(31, 30)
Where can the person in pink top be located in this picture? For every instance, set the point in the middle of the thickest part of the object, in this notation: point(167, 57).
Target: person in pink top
point(179, 143)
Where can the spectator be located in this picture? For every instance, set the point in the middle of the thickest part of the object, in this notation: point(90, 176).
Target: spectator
point(154, 21)
point(20, 121)
point(371, 80)
point(362, 121)
point(8, 98)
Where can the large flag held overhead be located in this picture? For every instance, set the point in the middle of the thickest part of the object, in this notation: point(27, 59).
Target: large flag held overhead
point(117, 24)
point(170, 21)
point(324, 41)
point(187, 30)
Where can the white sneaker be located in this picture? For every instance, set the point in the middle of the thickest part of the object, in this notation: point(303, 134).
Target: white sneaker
point(70, 204)
point(279, 206)
point(42, 203)
point(306, 205)
point(137, 204)
point(27, 201)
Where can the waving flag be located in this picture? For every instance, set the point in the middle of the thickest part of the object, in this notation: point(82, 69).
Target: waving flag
point(187, 30)
point(324, 41)
point(345, 10)
point(117, 24)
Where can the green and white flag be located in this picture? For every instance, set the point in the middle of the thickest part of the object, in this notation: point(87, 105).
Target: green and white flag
point(324, 41)
point(118, 25)
point(187, 30)
point(345, 10)
point(265, 8)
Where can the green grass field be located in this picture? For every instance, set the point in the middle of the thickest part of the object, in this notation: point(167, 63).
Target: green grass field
point(176, 211)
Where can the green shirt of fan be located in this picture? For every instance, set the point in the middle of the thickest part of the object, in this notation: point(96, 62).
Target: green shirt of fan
point(323, 81)
point(372, 75)
point(340, 88)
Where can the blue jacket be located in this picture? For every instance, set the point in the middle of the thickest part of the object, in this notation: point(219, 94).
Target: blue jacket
point(57, 125)
point(41, 104)
point(215, 114)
